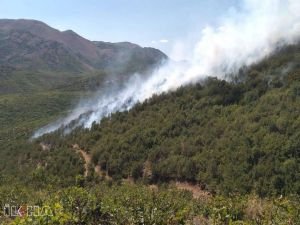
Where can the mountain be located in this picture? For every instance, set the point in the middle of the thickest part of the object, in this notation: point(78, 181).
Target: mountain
point(30, 44)
point(127, 56)
point(35, 57)
point(238, 136)
point(233, 144)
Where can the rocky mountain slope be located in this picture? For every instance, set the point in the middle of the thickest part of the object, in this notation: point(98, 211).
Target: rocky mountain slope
point(30, 44)
point(35, 57)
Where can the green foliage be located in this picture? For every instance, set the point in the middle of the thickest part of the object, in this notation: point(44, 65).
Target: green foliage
point(19, 116)
point(231, 138)
point(137, 204)
point(213, 134)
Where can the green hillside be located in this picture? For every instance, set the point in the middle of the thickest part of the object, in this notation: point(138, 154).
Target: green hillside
point(234, 144)
point(229, 137)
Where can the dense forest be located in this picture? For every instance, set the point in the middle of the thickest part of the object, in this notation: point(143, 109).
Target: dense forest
point(227, 136)
point(237, 141)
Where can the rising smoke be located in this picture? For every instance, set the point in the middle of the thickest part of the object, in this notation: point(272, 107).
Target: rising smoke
point(244, 36)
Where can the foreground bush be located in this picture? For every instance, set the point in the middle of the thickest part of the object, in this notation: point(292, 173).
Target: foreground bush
point(139, 204)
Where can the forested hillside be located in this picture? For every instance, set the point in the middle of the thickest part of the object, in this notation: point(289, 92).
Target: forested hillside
point(235, 142)
point(238, 136)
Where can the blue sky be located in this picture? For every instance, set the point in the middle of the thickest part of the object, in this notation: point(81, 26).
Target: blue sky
point(156, 23)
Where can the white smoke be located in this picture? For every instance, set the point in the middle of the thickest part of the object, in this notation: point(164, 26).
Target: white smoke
point(244, 36)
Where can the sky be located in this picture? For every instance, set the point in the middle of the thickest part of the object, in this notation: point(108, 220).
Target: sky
point(150, 23)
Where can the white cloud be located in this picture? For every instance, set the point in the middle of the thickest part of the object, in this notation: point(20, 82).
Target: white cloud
point(164, 41)
point(161, 41)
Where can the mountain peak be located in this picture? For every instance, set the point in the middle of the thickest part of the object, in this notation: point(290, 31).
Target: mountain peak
point(33, 44)
point(23, 24)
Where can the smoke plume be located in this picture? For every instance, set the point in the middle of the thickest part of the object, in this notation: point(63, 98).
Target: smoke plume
point(244, 36)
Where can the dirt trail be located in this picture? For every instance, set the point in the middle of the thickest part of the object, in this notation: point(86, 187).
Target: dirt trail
point(197, 192)
point(45, 147)
point(88, 160)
